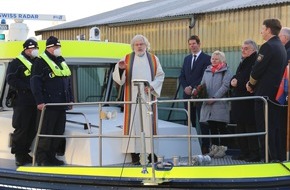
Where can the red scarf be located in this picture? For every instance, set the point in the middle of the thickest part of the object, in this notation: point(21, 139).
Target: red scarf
point(215, 68)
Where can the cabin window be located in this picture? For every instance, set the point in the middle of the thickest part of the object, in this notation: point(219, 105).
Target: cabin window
point(93, 83)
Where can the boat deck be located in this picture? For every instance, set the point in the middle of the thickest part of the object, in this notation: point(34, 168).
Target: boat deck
point(183, 161)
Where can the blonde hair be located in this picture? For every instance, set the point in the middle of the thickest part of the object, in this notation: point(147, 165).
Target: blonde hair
point(221, 55)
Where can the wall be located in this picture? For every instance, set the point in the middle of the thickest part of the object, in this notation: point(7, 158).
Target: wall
point(220, 30)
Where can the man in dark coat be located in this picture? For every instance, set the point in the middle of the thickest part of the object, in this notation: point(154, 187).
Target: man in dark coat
point(51, 83)
point(243, 111)
point(24, 107)
point(284, 36)
point(264, 81)
point(191, 74)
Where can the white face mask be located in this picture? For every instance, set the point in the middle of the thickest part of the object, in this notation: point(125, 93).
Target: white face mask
point(57, 52)
point(34, 53)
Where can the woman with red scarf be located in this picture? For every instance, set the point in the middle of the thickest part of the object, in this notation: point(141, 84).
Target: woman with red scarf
point(215, 114)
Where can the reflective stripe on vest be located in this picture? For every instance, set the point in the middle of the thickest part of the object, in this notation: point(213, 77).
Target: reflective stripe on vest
point(56, 71)
point(26, 63)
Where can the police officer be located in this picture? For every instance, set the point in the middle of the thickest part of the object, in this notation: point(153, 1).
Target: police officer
point(24, 107)
point(51, 83)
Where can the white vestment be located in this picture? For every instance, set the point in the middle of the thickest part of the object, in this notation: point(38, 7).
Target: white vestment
point(140, 70)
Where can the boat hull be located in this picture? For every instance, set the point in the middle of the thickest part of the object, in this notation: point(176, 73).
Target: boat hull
point(258, 176)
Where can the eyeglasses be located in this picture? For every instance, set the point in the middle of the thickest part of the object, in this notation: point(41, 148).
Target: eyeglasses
point(246, 48)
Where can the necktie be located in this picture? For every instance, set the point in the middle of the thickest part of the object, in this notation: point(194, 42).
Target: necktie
point(193, 61)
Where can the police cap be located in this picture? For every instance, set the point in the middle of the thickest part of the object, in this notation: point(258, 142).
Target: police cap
point(29, 44)
point(52, 41)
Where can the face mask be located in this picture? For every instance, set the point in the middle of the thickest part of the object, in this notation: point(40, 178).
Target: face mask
point(34, 53)
point(57, 52)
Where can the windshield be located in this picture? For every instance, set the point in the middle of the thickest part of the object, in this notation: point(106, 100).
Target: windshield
point(93, 83)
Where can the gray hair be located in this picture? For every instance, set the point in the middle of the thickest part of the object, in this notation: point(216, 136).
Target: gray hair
point(221, 55)
point(143, 39)
point(251, 43)
point(286, 31)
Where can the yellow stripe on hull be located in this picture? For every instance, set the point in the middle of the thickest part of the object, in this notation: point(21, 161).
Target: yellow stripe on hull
point(190, 172)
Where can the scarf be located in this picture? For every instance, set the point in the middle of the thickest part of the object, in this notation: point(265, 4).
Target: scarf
point(215, 68)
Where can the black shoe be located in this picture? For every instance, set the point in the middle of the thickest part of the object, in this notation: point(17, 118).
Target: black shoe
point(22, 159)
point(19, 160)
point(44, 163)
point(253, 158)
point(28, 158)
point(56, 162)
point(136, 163)
point(135, 158)
point(150, 160)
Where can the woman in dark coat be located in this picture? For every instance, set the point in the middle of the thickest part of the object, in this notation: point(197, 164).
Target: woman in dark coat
point(243, 111)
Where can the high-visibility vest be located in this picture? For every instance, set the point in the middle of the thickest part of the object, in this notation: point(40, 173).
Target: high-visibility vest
point(56, 70)
point(26, 63)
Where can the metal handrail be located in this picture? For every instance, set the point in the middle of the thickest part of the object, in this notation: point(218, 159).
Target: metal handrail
point(86, 120)
point(189, 135)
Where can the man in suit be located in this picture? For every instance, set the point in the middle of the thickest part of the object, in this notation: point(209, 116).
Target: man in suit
point(191, 74)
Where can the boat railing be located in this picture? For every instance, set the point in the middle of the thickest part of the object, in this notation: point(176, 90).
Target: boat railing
point(189, 101)
point(86, 124)
point(189, 136)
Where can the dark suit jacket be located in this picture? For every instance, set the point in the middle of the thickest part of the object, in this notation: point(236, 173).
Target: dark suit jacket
point(192, 77)
point(269, 68)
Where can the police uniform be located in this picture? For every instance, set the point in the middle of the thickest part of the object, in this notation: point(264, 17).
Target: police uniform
point(265, 80)
point(51, 83)
point(24, 107)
